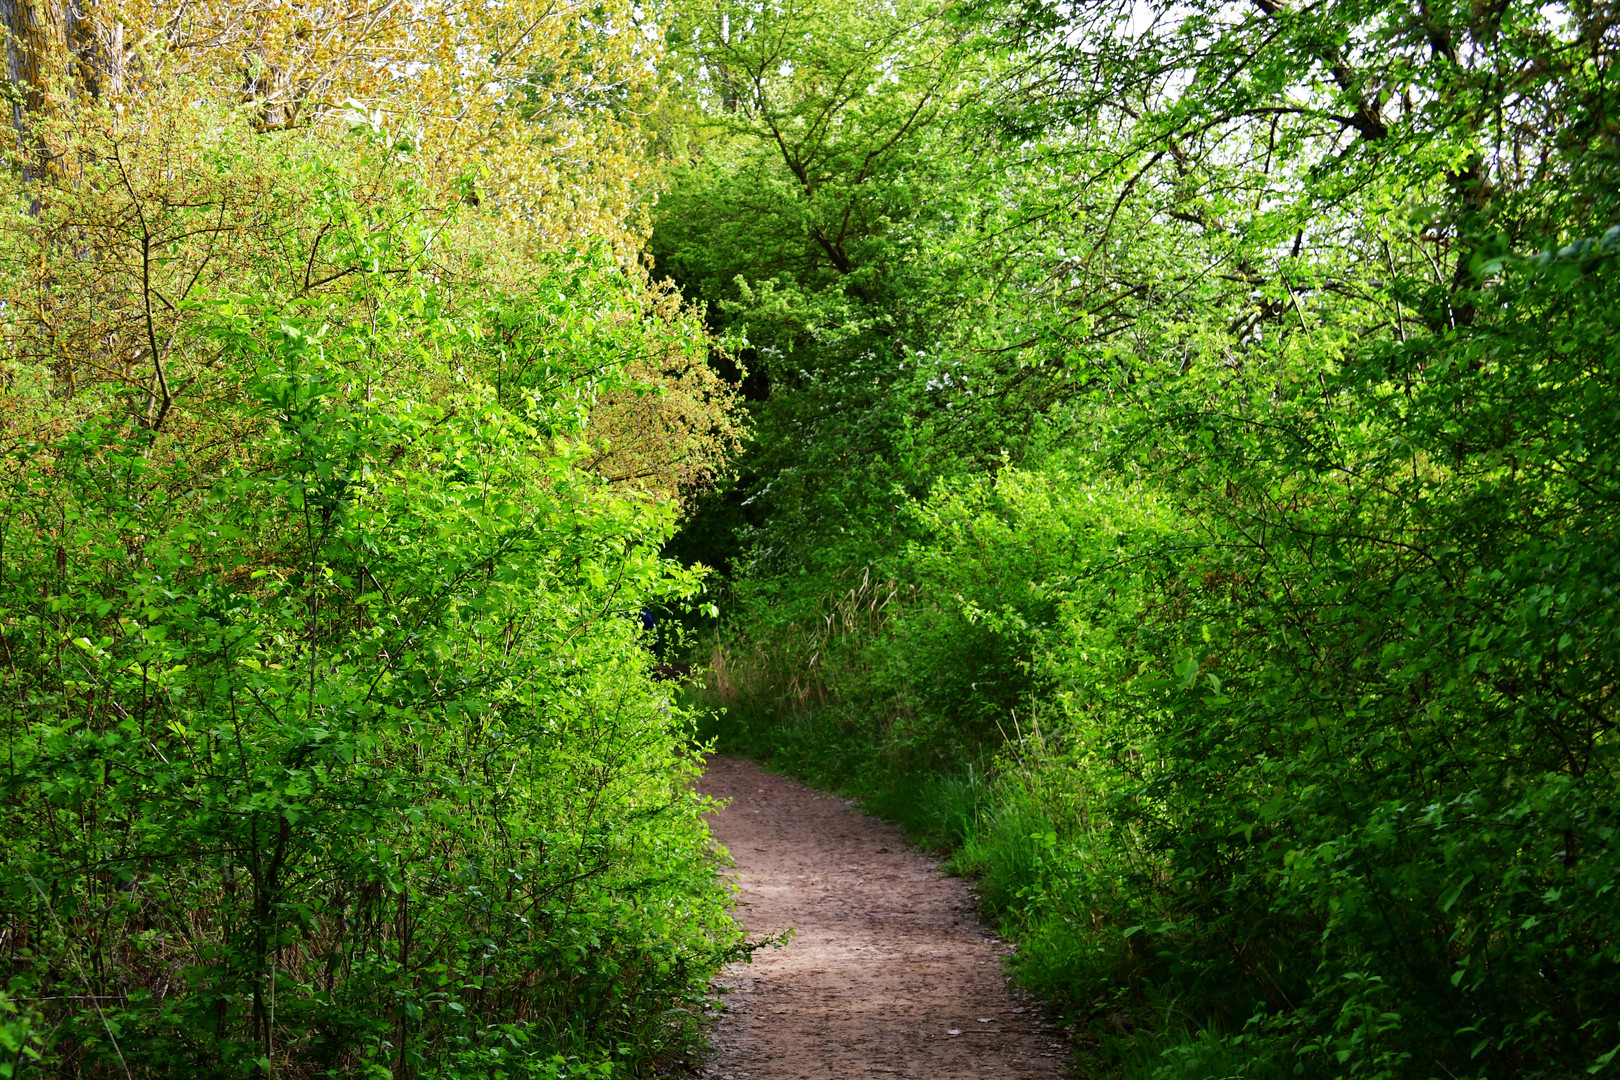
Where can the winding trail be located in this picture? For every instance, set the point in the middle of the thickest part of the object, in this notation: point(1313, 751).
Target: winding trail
point(887, 974)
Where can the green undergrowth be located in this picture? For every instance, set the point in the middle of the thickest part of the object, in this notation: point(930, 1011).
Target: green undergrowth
point(1308, 781)
point(329, 744)
point(1183, 487)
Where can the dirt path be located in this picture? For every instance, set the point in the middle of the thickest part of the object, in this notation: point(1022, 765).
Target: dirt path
point(887, 974)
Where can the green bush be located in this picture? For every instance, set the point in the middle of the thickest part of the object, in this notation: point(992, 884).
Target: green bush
point(1328, 783)
point(331, 747)
point(1186, 487)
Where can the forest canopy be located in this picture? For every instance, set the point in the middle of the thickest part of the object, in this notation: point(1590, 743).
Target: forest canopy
point(1182, 485)
point(1161, 452)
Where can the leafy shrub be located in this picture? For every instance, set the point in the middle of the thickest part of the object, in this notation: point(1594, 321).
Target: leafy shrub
point(1175, 452)
point(331, 747)
point(1327, 786)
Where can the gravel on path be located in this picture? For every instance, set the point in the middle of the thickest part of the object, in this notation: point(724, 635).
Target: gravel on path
point(887, 974)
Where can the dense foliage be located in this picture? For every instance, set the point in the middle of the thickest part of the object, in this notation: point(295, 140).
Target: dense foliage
point(337, 448)
point(1232, 578)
